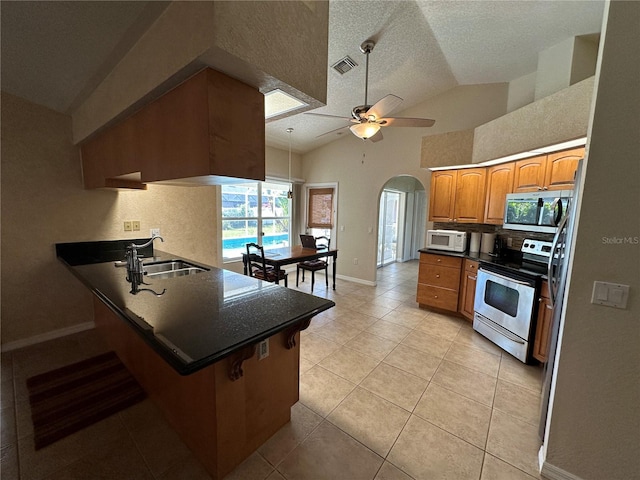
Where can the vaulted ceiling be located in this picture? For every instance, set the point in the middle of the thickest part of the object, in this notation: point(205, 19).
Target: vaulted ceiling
point(56, 53)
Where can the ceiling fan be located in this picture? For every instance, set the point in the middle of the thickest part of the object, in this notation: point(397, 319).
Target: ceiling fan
point(368, 119)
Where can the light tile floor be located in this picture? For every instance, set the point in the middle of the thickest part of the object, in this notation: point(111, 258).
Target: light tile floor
point(387, 391)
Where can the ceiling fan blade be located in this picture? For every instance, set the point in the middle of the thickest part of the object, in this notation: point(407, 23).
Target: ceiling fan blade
point(328, 116)
point(406, 122)
point(383, 106)
point(335, 130)
point(377, 137)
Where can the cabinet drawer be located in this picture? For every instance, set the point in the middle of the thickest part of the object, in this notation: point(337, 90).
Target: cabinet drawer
point(438, 297)
point(443, 260)
point(439, 276)
point(470, 265)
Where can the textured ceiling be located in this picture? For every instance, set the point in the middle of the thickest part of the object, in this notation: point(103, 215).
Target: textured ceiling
point(55, 53)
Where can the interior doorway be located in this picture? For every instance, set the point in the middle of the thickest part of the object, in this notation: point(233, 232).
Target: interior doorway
point(401, 220)
point(389, 226)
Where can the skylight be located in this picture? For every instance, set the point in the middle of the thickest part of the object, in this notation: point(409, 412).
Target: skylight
point(277, 102)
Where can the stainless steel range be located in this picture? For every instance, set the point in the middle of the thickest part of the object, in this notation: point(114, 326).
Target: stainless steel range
point(505, 300)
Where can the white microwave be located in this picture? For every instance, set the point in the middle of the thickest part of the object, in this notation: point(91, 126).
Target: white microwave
point(449, 240)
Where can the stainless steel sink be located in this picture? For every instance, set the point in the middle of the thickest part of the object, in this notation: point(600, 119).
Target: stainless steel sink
point(171, 268)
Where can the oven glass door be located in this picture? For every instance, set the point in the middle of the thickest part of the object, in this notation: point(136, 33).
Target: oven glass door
point(505, 301)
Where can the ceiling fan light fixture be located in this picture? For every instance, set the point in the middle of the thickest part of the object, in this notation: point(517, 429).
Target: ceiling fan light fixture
point(365, 130)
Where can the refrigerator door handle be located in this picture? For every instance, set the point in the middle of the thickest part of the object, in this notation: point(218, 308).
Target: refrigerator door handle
point(553, 281)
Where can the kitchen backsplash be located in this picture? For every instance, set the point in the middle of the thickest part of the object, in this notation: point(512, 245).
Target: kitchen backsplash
point(517, 237)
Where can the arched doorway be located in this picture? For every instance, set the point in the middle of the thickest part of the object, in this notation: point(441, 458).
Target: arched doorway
point(401, 220)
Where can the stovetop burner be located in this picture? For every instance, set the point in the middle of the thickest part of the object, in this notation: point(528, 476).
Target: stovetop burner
point(532, 262)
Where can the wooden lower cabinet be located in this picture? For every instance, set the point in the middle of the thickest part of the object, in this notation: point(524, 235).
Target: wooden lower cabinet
point(439, 281)
point(223, 420)
point(468, 288)
point(543, 325)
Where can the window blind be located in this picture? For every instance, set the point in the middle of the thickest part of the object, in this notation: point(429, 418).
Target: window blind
point(320, 208)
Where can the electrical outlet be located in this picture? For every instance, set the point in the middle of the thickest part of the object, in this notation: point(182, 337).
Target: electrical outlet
point(127, 226)
point(355, 261)
point(263, 349)
point(135, 225)
point(154, 231)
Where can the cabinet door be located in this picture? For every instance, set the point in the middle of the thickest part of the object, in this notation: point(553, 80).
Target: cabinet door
point(471, 188)
point(561, 169)
point(468, 289)
point(529, 174)
point(543, 328)
point(442, 195)
point(499, 183)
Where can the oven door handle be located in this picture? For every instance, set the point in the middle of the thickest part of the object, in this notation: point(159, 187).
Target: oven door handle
point(502, 331)
point(508, 279)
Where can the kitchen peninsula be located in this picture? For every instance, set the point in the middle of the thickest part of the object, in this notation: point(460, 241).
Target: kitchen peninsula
point(216, 351)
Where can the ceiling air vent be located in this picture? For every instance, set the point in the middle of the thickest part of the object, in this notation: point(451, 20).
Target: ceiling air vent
point(344, 65)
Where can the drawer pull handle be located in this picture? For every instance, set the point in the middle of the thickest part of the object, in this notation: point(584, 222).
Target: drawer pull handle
point(549, 307)
point(439, 260)
point(438, 276)
point(435, 296)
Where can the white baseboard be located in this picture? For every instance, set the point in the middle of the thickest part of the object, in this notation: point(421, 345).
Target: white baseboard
point(356, 280)
point(44, 337)
point(555, 473)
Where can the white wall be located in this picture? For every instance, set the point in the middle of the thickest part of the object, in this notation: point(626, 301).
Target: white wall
point(595, 420)
point(44, 203)
point(521, 91)
point(362, 168)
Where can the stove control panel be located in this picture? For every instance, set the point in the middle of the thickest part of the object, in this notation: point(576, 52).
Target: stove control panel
point(537, 247)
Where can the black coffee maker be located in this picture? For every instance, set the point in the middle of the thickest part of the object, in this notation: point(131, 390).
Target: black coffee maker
point(500, 247)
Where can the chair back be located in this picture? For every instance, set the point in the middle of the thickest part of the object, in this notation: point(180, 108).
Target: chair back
point(323, 243)
point(255, 255)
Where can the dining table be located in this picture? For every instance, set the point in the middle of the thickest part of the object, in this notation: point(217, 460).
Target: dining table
point(281, 256)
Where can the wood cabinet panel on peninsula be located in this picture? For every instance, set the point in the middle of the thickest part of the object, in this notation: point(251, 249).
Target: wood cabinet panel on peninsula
point(208, 128)
point(439, 281)
point(457, 195)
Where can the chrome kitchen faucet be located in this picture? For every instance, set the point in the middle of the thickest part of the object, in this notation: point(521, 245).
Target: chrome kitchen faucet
point(135, 272)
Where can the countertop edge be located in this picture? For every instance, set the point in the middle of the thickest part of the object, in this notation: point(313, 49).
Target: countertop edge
point(173, 358)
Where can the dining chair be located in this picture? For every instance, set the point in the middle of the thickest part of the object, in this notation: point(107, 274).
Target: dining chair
point(317, 264)
point(258, 267)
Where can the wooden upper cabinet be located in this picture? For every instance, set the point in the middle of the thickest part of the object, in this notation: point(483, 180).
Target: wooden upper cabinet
point(442, 195)
point(208, 128)
point(529, 174)
point(471, 188)
point(547, 172)
point(561, 169)
point(499, 184)
point(457, 195)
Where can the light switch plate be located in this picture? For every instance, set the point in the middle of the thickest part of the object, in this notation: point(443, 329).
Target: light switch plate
point(127, 226)
point(610, 294)
point(135, 225)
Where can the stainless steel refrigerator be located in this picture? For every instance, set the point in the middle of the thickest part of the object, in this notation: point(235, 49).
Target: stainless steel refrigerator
point(558, 273)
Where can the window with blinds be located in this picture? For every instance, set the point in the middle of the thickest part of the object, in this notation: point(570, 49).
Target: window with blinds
point(320, 208)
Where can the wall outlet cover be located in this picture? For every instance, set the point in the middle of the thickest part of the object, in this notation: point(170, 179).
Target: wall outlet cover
point(127, 226)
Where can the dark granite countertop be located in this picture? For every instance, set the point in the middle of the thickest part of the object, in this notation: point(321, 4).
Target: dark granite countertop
point(512, 261)
point(200, 318)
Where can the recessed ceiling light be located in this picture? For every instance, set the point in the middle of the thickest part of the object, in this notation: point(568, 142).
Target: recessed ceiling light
point(277, 102)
